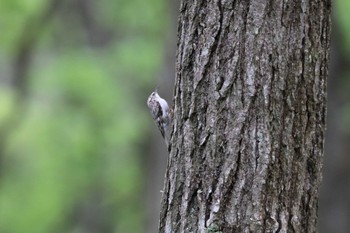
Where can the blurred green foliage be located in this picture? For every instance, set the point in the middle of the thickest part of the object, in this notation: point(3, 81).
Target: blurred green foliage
point(71, 147)
point(342, 16)
point(342, 25)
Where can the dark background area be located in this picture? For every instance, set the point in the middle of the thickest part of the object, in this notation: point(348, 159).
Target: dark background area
point(79, 151)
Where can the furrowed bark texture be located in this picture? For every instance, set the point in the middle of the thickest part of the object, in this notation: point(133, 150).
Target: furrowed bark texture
point(249, 117)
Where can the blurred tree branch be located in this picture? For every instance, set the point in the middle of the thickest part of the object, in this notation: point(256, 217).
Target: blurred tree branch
point(97, 34)
point(26, 44)
point(21, 63)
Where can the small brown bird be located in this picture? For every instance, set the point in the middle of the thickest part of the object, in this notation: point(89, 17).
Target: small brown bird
point(160, 111)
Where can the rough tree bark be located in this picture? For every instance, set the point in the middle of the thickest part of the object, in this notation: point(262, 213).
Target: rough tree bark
point(249, 117)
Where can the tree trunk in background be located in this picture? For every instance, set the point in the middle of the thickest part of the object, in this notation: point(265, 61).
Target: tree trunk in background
point(334, 197)
point(249, 117)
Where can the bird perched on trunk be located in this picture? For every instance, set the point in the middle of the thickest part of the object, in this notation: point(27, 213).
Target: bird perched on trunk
point(161, 114)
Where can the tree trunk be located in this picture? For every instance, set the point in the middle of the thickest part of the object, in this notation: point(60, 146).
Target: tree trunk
point(249, 117)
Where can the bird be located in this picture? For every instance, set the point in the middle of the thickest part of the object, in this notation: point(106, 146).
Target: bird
point(161, 114)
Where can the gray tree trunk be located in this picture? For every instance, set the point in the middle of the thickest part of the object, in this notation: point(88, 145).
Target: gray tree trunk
point(249, 117)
